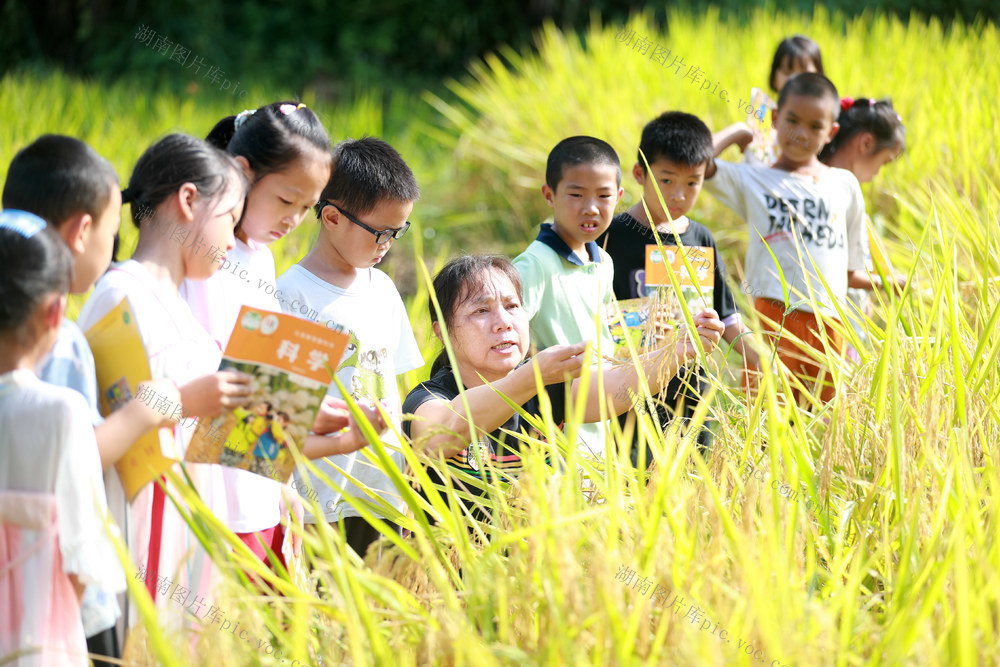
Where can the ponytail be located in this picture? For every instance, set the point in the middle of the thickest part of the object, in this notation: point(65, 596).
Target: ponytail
point(170, 163)
point(222, 133)
point(865, 114)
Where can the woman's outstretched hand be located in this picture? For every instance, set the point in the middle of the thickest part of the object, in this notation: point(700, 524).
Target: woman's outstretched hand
point(560, 362)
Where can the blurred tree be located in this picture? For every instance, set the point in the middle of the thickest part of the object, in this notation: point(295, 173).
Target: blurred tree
point(381, 43)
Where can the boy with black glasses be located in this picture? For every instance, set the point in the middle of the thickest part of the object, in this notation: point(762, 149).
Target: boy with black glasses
point(362, 210)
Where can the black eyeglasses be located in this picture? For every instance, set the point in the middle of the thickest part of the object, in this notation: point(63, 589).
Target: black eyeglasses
point(381, 236)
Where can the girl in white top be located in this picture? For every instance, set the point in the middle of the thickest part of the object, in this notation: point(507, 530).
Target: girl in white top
point(871, 135)
point(182, 191)
point(54, 530)
point(284, 153)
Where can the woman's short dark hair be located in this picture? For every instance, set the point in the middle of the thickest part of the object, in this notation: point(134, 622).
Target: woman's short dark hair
point(461, 279)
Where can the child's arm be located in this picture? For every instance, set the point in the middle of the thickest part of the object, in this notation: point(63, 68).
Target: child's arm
point(441, 426)
point(857, 241)
point(336, 431)
point(124, 426)
point(333, 415)
point(864, 280)
point(740, 134)
point(658, 367)
point(78, 586)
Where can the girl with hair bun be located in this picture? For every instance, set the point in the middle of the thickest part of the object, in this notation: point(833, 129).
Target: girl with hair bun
point(871, 135)
point(284, 153)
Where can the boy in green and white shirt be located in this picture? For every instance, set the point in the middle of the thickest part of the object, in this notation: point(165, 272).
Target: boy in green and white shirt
point(566, 278)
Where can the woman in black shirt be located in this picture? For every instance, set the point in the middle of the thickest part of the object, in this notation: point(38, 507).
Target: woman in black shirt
point(480, 300)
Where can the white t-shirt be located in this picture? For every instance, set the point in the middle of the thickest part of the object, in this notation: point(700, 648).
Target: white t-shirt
point(810, 225)
point(47, 446)
point(246, 279)
point(382, 346)
point(178, 349)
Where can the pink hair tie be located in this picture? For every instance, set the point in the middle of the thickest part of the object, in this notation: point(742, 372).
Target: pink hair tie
point(846, 103)
point(290, 108)
point(872, 102)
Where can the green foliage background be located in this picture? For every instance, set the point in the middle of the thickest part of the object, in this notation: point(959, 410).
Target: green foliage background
point(887, 553)
point(412, 43)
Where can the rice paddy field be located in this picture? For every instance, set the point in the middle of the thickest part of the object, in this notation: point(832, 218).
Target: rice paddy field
point(860, 533)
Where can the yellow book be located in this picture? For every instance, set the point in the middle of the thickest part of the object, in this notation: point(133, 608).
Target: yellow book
point(122, 364)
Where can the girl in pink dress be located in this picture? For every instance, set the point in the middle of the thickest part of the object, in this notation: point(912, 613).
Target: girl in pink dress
point(284, 152)
point(55, 536)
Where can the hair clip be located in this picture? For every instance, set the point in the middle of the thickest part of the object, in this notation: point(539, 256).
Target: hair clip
point(24, 223)
point(290, 108)
point(242, 117)
point(846, 103)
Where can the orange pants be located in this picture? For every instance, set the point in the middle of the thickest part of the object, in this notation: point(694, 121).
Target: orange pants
point(806, 328)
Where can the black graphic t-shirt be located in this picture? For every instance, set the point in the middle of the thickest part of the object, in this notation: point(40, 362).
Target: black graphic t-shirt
point(626, 240)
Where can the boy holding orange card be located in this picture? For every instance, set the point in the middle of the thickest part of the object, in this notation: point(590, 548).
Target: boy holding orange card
point(678, 147)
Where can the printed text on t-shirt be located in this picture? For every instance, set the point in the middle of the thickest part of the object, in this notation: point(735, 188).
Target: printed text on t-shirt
point(812, 218)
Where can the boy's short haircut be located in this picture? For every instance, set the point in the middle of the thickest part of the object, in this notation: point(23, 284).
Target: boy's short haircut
point(579, 150)
point(56, 177)
point(811, 84)
point(679, 137)
point(366, 172)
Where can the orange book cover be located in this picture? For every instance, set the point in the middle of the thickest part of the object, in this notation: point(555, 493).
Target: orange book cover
point(291, 360)
point(696, 290)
